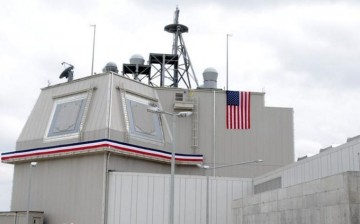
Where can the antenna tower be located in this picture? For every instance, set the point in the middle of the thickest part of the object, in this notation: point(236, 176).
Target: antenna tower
point(185, 70)
point(177, 66)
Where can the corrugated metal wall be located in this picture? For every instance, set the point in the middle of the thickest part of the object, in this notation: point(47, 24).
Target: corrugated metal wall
point(135, 198)
point(343, 158)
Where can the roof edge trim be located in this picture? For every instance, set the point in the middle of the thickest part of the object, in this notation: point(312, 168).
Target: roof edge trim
point(101, 145)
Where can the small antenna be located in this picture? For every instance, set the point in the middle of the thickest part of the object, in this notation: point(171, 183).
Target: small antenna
point(176, 15)
point(227, 60)
point(93, 52)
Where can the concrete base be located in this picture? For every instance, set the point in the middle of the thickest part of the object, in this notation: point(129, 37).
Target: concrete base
point(330, 200)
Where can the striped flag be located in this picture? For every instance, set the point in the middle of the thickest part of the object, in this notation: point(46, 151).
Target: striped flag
point(237, 110)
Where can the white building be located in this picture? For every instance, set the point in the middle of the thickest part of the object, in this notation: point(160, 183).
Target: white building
point(81, 131)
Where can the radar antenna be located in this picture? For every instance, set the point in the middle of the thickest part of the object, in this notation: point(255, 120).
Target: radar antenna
point(68, 72)
point(175, 68)
point(165, 70)
point(184, 70)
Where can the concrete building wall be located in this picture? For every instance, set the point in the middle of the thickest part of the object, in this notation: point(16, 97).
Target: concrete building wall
point(136, 198)
point(331, 200)
point(68, 190)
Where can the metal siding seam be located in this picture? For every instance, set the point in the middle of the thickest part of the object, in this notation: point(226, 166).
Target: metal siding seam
point(86, 110)
point(147, 201)
point(184, 199)
point(110, 103)
point(196, 201)
point(114, 196)
point(152, 201)
point(137, 198)
point(103, 215)
point(131, 197)
point(214, 132)
point(120, 198)
point(179, 194)
point(126, 119)
point(163, 207)
point(200, 202)
point(116, 214)
point(214, 196)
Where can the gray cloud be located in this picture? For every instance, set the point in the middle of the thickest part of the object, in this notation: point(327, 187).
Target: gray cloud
point(329, 59)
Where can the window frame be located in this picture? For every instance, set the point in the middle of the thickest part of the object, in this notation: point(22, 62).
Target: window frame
point(159, 136)
point(80, 119)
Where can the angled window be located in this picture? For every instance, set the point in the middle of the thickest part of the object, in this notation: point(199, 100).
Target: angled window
point(143, 124)
point(66, 117)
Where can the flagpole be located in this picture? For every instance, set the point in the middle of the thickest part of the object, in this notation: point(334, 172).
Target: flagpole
point(227, 60)
point(93, 51)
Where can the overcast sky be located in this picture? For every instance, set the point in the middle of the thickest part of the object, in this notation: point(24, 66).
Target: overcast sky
point(303, 54)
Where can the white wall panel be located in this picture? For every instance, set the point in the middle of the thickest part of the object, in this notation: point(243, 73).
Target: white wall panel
point(330, 162)
point(137, 198)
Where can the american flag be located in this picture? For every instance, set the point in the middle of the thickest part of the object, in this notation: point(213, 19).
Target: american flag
point(237, 110)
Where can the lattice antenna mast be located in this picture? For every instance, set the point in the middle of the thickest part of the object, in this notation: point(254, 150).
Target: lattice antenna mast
point(185, 71)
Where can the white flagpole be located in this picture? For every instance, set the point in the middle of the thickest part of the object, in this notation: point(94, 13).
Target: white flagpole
point(93, 52)
point(227, 60)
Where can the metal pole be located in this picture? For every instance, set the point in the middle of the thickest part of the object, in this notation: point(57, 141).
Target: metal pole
point(28, 198)
point(207, 198)
point(32, 164)
point(227, 60)
point(172, 178)
point(93, 52)
point(176, 34)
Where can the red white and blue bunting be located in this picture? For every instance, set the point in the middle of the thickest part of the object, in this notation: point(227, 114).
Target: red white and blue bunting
point(103, 145)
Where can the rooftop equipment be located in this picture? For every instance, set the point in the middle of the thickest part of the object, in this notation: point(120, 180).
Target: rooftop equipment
point(165, 67)
point(168, 70)
point(137, 68)
point(68, 72)
point(210, 78)
point(110, 67)
point(185, 71)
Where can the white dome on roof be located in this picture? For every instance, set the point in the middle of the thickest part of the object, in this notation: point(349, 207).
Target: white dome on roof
point(210, 78)
point(137, 59)
point(110, 67)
